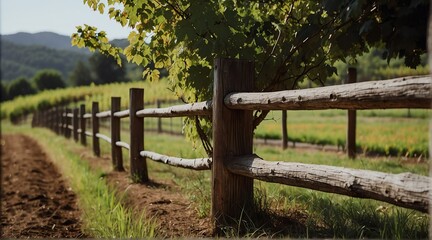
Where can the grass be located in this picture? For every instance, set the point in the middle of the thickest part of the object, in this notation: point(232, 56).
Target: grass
point(321, 214)
point(324, 214)
point(398, 135)
point(103, 214)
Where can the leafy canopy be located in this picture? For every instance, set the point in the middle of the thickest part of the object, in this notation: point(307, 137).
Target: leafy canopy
point(48, 79)
point(288, 40)
point(20, 87)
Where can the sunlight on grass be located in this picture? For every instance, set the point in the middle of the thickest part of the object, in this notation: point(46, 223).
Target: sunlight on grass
point(325, 214)
point(102, 213)
point(398, 134)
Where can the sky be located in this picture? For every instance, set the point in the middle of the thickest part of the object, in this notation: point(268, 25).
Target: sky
point(59, 16)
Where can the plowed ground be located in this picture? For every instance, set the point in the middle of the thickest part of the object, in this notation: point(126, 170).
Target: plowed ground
point(35, 201)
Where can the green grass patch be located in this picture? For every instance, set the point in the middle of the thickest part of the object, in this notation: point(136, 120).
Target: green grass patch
point(328, 215)
point(388, 132)
point(325, 214)
point(102, 212)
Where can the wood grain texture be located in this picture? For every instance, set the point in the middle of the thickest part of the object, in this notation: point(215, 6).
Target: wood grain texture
point(68, 121)
point(195, 164)
point(192, 109)
point(284, 130)
point(95, 129)
point(406, 189)
point(408, 92)
point(138, 165)
point(116, 151)
point(82, 124)
point(75, 124)
point(232, 136)
point(352, 120)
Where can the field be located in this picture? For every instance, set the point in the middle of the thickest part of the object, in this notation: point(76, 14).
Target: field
point(386, 132)
point(402, 132)
point(312, 213)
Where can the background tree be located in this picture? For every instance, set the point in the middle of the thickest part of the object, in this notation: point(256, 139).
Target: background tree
point(20, 87)
point(81, 75)
point(106, 69)
point(48, 79)
point(3, 91)
point(290, 41)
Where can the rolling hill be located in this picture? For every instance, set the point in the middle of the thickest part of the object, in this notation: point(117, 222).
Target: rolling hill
point(23, 54)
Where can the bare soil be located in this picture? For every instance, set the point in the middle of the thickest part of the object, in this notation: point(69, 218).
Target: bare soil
point(35, 201)
point(160, 200)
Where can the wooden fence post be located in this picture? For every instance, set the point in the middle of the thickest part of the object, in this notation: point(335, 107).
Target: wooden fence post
point(232, 136)
point(33, 122)
point(159, 120)
point(83, 139)
point(95, 129)
point(64, 122)
point(138, 165)
point(75, 124)
point(57, 120)
point(351, 129)
point(49, 119)
point(116, 151)
point(52, 119)
point(68, 123)
point(284, 130)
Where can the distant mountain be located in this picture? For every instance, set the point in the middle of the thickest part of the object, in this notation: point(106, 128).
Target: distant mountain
point(26, 60)
point(46, 39)
point(23, 54)
point(52, 40)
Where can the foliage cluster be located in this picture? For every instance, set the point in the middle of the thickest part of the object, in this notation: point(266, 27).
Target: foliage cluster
point(371, 66)
point(102, 70)
point(289, 41)
point(43, 80)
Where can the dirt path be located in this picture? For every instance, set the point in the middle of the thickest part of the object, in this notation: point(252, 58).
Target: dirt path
point(35, 201)
point(160, 200)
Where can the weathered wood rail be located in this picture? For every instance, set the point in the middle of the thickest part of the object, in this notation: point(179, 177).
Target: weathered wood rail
point(233, 164)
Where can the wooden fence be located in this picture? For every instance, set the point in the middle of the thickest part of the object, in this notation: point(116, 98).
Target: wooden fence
point(233, 164)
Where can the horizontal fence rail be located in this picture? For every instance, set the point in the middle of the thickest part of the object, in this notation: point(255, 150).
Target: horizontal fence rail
point(233, 164)
point(394, 93)
point(104, 137)
point(103, 114)
point(122, 114)
point(405, 189)
point(87, 115)
point(196, 164)
point(191, 109)
point(123, 145)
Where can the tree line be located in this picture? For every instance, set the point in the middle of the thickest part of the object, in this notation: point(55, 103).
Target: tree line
point(99, 69)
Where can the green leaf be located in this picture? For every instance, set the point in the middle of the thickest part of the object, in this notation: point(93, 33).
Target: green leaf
point(101, 8)
point(159, 64)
